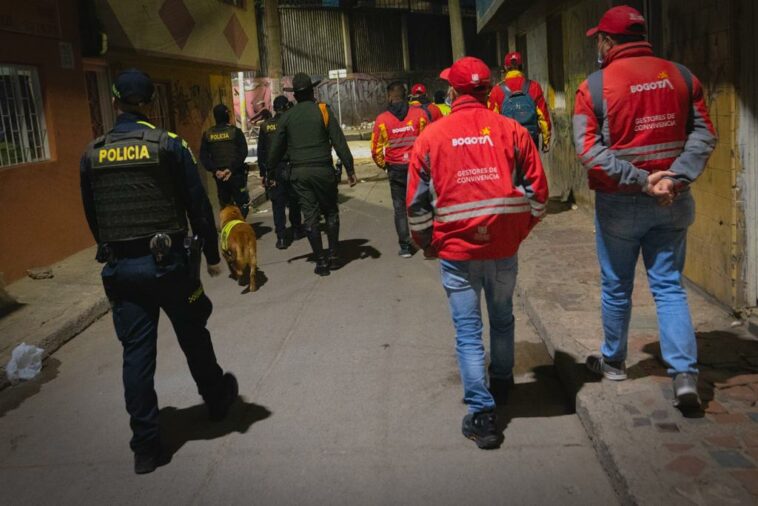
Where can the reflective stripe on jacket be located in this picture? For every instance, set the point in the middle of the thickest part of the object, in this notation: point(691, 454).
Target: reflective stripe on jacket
point(476, 185)
point(638, 115)
point(393, 139)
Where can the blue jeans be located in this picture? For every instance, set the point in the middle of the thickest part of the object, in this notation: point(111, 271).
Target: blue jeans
point(626, 224)
point(463, 283)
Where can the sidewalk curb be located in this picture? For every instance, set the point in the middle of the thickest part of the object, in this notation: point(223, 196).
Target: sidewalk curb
point(577, 390)
point(73, 325)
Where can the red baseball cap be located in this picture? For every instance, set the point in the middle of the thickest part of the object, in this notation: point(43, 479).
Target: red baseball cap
point(621, 20)
point(418, 89)
point(467, 74)
point(513, 59)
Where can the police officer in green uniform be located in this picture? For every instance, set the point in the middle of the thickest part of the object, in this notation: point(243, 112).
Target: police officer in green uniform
point(139, 185)
point(222, 152)
point(307, 133)
point(277, 179)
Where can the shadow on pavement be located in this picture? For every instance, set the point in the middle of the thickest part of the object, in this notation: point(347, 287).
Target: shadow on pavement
point(722, 357)
point(14, 396)
point(260, 229)
point(350, 250)
point(180, 426)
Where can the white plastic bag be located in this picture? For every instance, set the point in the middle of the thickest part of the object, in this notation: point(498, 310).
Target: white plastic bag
point(25, 363)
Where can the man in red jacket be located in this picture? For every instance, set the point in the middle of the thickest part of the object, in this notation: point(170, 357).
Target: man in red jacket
point(516, 82)
point(419, 100)
point(395, 132)
point(642, 131)
point(476, 188)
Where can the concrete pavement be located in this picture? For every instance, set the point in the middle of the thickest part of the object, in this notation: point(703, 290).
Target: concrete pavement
point(351, 395)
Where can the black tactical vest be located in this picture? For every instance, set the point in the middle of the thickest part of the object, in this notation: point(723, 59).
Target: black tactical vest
point(221, 145)
point(134, 193)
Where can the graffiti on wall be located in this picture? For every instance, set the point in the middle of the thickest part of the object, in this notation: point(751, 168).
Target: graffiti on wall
point(191, 100)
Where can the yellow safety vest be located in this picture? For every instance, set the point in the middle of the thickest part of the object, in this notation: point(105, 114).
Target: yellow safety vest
point(225, 233)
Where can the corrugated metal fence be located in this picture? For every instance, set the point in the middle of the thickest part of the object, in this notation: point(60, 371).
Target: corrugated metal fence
point(311, 41)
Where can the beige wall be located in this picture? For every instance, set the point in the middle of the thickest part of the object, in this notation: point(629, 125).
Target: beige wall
point(204, 28)
point(700, 35)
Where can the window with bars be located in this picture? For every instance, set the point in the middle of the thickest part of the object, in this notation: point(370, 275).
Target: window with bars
point(23, 134)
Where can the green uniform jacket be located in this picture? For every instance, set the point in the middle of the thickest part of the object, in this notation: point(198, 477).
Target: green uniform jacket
point(301, 134)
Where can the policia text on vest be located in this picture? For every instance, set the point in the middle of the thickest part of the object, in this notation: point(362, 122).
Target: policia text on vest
point(223, 150)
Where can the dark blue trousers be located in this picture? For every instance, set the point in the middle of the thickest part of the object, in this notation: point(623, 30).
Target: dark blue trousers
point(138, 289)
point(283, 196)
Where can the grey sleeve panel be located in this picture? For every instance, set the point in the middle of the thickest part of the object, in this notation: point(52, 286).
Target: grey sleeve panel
point(697, 149)
point(421, 210)
point(598, 155)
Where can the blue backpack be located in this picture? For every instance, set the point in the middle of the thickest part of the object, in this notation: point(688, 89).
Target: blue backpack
point(520, 106)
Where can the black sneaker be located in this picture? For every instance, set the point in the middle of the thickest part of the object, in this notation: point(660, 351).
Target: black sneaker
point(281, 243)
point(298, 233)
point(218, 410)
point(482, 429)
point(148, 461)
point(614, 371)
point(405, 252)
point(499, 388)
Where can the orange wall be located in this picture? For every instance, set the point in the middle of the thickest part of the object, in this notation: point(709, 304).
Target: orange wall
point(41, 217)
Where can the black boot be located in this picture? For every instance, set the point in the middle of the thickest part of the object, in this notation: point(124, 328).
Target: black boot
point(317, 245)
point(218, 408)
point(322, 265)
point(333, 237)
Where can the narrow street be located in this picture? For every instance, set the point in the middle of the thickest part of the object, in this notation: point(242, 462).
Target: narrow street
point(351, 396)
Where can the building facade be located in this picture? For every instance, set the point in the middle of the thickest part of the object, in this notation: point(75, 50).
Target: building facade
point(57, 61)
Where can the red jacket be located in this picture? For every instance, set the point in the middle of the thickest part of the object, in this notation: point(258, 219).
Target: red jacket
point(514, 80)
point(393, 138)
point(638, 115)
point(476, 185)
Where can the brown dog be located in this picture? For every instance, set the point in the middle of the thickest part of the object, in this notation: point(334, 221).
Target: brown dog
point(238, 246)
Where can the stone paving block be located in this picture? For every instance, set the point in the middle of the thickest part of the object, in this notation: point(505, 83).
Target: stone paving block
point(715, 408)
point(724, 441)
point(667, 427)
point(678, 447)
point(741, 393)
point(731, 459)
point(687, 465)
point(660, 414)
point(730, 418)
point(748, 478)
point(751, 440)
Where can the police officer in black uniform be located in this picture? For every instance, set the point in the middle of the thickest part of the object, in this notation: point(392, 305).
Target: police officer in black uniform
point(277, 180)
point(139, 184)
point(222, 152)
point(306, 134)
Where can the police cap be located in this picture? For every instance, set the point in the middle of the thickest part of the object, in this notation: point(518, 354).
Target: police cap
point(281, 103)
point(301, 82)
point(132, 86)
